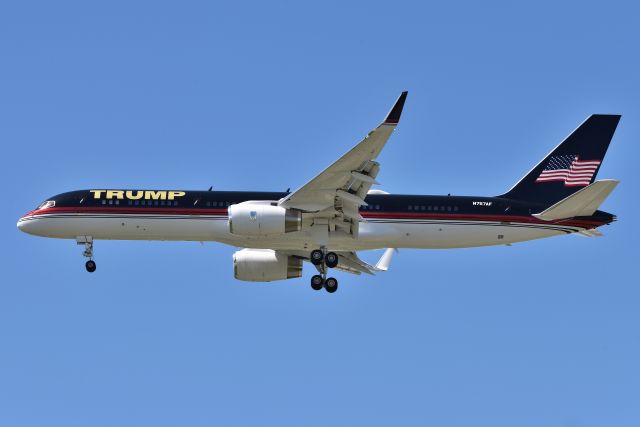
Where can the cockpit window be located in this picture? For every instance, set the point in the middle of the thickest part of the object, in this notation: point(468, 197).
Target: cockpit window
point(47, 204)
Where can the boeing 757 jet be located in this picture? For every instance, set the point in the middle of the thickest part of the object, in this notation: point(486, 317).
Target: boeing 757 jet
point(336, 214)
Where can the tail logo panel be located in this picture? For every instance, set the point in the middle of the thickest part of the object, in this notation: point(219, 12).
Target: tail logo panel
point(569, 169)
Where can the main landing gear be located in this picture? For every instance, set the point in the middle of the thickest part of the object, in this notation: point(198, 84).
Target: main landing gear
point(324, 260)
point(87, 241)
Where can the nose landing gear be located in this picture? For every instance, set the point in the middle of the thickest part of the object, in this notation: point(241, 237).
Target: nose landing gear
point(87, 241)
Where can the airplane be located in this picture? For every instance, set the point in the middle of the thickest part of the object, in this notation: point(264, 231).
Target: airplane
point(337, 213)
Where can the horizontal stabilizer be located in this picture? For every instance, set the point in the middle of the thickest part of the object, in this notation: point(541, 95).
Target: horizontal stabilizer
point(385, 260)
point(581, 203)
point(590, 233)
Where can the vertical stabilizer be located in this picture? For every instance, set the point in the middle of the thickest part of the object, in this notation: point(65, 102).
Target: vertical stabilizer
point(571, 166)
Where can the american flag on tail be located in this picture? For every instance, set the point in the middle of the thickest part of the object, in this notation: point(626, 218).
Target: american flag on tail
point(570, 170)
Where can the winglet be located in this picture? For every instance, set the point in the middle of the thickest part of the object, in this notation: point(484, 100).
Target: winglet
point(394, 115)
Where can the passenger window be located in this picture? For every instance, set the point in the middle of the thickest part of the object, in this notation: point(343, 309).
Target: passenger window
point(155, 202)
point(104, 202)
point(429, 207)
point(435, 208)
point(410, 207)
point(455, 209)
point(208, 204)
point(162, 203)
point(448, 208)
point(130, 202)
point(423, 208)
point(117, 202)
point(136, 202)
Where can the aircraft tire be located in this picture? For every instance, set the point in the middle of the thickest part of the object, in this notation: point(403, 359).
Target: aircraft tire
point(331, 285)
point(317, 282)
point(316, 257)
point(90, 266)
point(331, 259)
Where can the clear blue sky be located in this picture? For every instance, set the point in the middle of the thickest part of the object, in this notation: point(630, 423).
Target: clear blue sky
point(262, 96)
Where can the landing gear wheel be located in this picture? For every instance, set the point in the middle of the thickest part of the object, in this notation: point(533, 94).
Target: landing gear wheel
point(317, 282)
point(331, 285)
point(331, 259)
point(316, 257)
point(90, 266)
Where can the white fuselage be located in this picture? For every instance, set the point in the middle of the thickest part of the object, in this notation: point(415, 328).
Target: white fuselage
point(374, 233)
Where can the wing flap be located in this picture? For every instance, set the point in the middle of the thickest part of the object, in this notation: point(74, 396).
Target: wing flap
point(385, 260)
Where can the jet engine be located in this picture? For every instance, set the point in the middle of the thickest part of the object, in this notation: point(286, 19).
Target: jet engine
point(263, 219)
point(265, 265)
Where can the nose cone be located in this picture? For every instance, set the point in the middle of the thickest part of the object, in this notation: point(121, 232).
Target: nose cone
point(25, 224)
point(22, 225)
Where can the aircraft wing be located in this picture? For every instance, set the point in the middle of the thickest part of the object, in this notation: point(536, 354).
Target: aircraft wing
point(338, 191)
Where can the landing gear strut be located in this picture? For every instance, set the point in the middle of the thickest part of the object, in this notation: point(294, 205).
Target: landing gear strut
point(87, 241)
point(324, 260)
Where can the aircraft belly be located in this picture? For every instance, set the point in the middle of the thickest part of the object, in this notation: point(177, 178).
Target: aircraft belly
point(373, 234)
point(132, 227)
point(448, 234)
point(440, 235)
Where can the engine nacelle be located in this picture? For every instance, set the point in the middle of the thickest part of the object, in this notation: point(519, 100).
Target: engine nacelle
point(265, 265)
point(263, 219)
